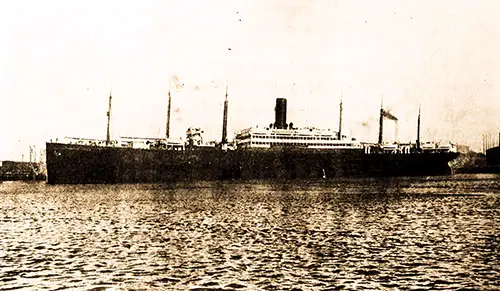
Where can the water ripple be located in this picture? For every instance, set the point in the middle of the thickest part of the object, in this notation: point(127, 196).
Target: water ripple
point(372, 234)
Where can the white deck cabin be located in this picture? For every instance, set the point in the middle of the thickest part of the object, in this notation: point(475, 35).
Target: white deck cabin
point(255, 137)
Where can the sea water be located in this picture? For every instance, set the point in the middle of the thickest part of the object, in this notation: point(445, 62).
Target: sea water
point(426, 233)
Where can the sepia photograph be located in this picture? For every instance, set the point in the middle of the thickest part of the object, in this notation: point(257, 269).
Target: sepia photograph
point(249, 145)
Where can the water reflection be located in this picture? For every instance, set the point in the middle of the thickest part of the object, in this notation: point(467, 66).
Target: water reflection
point(427, 233)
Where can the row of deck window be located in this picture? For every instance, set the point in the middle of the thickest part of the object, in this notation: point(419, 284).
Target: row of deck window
point(295, 137)
point(296, 143)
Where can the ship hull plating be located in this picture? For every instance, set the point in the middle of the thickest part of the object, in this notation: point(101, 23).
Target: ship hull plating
point(79, 164)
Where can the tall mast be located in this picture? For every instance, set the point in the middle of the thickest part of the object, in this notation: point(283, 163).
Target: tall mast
point(108, 138)
point(418, 128)
point(381, 122)
point(224, 121)
point(340, 116)
point(167, 133)
point(484, 144)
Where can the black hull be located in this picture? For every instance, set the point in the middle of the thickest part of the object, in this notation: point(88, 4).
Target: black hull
point(493, 156)
point(77, 164)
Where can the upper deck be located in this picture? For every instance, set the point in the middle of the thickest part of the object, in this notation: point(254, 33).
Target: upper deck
point(127, 142)
point(304, 137)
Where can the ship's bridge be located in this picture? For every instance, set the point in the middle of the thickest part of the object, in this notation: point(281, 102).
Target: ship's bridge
point(255, 137)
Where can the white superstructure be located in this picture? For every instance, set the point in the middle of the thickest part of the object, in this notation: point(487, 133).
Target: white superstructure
point(302, 138)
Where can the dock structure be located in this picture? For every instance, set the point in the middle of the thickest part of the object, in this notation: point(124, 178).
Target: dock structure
point(15, 170)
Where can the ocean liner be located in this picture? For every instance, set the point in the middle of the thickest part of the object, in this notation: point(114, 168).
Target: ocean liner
point(278, 151)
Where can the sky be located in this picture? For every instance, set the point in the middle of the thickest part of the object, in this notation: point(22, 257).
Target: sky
point(60, 60)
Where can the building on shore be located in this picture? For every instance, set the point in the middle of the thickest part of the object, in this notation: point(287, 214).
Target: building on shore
point(14, 170)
